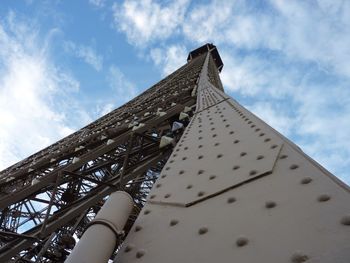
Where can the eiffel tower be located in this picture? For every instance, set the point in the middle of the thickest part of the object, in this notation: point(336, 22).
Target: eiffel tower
point(181, 173)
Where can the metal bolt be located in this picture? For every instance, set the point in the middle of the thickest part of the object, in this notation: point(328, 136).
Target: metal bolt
point(189, 186)
point(253, 172)
point(284, 156)
point(243, 154)
point(299, 257)
point(174, 222)
point(231, 200)
point(259, 157)
point(202, 230)
point(241, 241)
point(270, 204)
point(293, 166)
point(323, 198)
point(345, 220)
point(306, 180)
point(138, 228)
point(140, 253)
point(167, 195)
point(236, 167)
point(212, 177)
point(128, 248)
point(201, 193)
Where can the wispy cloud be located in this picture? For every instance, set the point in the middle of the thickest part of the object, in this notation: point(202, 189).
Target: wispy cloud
point(33, 93)
point(97, 3)
point(122, 88)
point(86, 53)
point(169, 58)
point(147, 20)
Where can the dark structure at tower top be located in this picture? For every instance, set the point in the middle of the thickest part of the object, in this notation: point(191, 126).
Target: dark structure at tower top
point(204, 49)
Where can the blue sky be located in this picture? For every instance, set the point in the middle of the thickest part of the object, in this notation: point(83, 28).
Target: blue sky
point(65, 63)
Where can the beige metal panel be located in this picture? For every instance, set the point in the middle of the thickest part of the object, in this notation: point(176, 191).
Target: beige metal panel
point(217, 152)
point(294, 214)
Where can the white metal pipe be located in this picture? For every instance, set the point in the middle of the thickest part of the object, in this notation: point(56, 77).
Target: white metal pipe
point(100, 238)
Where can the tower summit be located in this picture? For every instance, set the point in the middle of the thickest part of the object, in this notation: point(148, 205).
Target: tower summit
point(181, 173)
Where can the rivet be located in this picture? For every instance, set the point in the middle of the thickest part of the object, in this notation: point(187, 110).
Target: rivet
point(241, 241)
point(147, 212)
point(200, 157)
point(259, 157)
point(200, 138)
point(212, 177)
point(200, 171)
point(201, 193)
point(252, 126)
point(257, 129)
point(236, 167)
point(267, 140)
point(163, 176)
point(231, 200)
point(189, 186)
point(184, 158)
point(140, 253)
point(158, 185)
point(299, 257)
point(323, 198)
point(186, 148)
point(200, 146)
point(167, 195)
point(273, 146)
point(243, 154)
point(219, 156)
point(168, 168)
point(345, 220)
point(224, 120)
point(236, 141)
point(232, 132)
point(182, 172)
point(138, 228)
point(152, 197)
point(216, 144)
point(306, 180)
point(253, 172)
point(293, 166)
point(173, 222)
point(202, 230)
point(270, 204)
point(261, 134)
point(284, 156)
point(227, 125)
point(212, 129)
point(128, 248)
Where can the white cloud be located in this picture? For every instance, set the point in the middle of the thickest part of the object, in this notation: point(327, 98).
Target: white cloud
point(31, 87)
point(170, 58)
point(86, 53)
point(274, 115)
point(97, 3)
point(123, 89)
point(147, 21)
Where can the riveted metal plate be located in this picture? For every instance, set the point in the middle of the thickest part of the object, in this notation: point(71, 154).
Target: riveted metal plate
point(219, 150)
point(284, 217)
point(208, 96)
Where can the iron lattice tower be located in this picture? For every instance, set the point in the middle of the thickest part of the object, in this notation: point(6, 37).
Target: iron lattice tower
point(228, 186)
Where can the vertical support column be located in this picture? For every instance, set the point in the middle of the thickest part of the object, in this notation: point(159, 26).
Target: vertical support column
point(100, 238)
